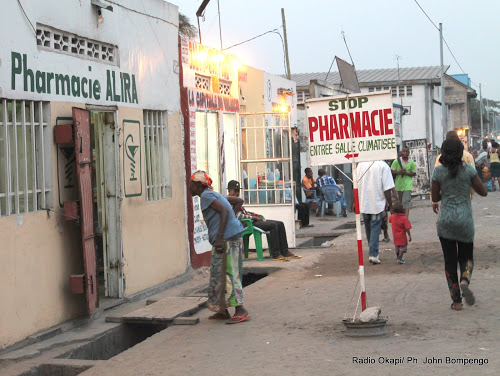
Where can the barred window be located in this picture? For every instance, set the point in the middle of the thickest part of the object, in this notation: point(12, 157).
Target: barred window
point(25, 157)
point(202, 82)
point(394, 91)
point(371, 89)
point(409, 91)
point(68, 43)
point(401, 91)
point(156, 149)
point(225, 87)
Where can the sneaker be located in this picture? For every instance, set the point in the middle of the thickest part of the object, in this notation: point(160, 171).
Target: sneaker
point(401, 260)
point(374, 260)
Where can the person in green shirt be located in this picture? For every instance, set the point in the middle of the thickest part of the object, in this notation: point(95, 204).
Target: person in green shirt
point(403, 170)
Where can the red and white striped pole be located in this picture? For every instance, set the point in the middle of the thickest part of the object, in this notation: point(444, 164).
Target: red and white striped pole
point(358, 236)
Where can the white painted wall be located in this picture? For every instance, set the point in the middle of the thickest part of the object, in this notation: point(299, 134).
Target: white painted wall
point(148, 48)
point(271, 85)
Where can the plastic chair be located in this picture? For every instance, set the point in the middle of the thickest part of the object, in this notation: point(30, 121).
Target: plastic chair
point(332, 194)
point(257, 235)
point(312, 198)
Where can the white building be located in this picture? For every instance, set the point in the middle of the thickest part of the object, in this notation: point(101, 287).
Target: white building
point(99, 83)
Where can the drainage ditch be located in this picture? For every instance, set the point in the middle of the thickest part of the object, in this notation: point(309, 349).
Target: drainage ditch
point(115, 341)
point(56, 370)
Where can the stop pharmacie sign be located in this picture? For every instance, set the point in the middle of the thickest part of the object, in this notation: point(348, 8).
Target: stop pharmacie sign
point(356, 126)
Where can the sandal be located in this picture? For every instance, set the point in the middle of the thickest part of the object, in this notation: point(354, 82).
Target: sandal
point(456, 306)
point(281, 258)
point(237, 319)
point(467, 294)
point(292, 256)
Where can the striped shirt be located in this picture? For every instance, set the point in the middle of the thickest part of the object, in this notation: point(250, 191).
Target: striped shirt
point(325, 180)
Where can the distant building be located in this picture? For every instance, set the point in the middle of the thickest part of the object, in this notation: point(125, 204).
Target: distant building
point(416, 90)
point(458, 97)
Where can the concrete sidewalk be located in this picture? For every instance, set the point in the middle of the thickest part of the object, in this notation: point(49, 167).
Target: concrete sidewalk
point(297, 311)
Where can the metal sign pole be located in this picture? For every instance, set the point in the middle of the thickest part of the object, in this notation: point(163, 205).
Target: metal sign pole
point(361, 269)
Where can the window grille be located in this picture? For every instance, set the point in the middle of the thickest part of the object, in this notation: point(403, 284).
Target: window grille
point(379, 88)
point(387, 88)
point(25, 157)
point(202, 82)
point(409, 91)
point(225, 87)
point(394, 91)
point(371, 89)
point(156, 149)
point(266, 158)
point(401, 91)
point(56, 40)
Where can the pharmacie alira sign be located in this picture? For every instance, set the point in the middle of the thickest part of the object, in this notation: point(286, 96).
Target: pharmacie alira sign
point(86, 83)
point(356, 125)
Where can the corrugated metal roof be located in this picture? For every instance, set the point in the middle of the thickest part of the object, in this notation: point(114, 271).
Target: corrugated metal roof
point(373, 75)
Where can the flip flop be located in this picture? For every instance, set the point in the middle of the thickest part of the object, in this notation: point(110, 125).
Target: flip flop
point(467, 294)
point(280, 259)
point(294, 257)
point(237, 319)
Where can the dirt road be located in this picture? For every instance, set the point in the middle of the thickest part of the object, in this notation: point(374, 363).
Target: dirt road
point(296, 320)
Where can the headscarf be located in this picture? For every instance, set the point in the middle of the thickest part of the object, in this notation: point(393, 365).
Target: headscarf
point(203, 178)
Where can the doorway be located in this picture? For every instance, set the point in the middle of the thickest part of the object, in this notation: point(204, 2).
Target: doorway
point(106, 193)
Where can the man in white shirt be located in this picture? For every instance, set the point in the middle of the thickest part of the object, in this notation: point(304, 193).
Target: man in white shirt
point(375, 185)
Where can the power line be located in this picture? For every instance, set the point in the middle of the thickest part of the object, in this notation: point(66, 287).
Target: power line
point(422, 9)
point(248, 40)
point(25, 15)
point(445, 42)
point(274, 31)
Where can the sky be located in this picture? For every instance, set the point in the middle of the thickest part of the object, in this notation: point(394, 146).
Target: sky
point(376, 31)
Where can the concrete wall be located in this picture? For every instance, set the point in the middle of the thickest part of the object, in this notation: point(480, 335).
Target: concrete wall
point(38, 253)
point(154, 233)
point(456, 97)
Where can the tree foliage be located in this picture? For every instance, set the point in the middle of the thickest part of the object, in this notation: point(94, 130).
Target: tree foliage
point(489, 105)
point(186, 28)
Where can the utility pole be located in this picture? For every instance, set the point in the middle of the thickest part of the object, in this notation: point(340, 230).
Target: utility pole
point(400, 102)
point(220, 29)
point(288, 74)
point(444, 112)
point(481, 111)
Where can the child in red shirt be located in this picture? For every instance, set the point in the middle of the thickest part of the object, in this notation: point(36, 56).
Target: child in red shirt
point(400, 227)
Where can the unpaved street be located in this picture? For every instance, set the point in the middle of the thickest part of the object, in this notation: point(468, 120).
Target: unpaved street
point(296, 324)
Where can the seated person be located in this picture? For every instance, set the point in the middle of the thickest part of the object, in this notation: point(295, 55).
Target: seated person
point(324, 179)
point(303, 213)
point(308, 182)
point(279, 244)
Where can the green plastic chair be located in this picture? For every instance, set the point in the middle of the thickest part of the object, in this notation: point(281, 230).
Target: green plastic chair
point(257, 235)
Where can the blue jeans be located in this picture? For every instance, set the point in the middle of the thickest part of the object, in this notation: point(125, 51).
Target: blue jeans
point(373, 222)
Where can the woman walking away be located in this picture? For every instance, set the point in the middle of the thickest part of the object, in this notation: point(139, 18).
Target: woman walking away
point(224, 234)
point(451, 183)
point(494, 165)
